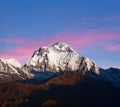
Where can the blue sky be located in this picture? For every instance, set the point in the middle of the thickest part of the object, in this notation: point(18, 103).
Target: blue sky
point(91, 27)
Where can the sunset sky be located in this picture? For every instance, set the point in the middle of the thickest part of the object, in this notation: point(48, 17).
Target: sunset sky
point(91, 27)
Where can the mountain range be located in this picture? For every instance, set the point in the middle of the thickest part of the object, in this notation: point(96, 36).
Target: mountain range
point(47, 62)
point(56, 66)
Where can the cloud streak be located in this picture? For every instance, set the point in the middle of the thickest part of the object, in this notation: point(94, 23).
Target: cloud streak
point(90, 38)
point(25, 48)
point(113, 48)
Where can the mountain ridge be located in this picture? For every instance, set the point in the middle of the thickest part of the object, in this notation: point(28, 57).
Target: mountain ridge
point(47, 62)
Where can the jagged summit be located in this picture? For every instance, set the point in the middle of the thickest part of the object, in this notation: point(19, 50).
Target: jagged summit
point(47, 62)
point(62, 47)
point(59, 57)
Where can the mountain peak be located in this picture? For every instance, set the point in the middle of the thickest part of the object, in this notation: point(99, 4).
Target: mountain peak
point(50, 61)
point(12, 62)
point(59, 57)
point(61, 46)
point(60, 43)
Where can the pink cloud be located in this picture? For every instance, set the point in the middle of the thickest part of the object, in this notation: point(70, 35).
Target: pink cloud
point(75, 39)
point(85, 39)
point(12, 55)
point(114, 48)
point(25, 48)
point(19, 53)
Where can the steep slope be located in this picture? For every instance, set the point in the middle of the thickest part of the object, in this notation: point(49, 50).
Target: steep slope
point(10, 70)
point(111, 74)
point(47, 62)
point(56, 59)
point(70, 89)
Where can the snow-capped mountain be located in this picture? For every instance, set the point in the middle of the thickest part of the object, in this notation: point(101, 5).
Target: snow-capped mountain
point(53, 60)
point(59, 57)
point(10, 70)
point(47, 62)
point(56, 59)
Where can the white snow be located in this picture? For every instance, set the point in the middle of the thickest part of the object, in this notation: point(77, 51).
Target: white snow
point(56, 58)
point(90, 63)
point(12, 62)
point(62, 47)
point(3, 60)
point(60, 57)
point(13, 69)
